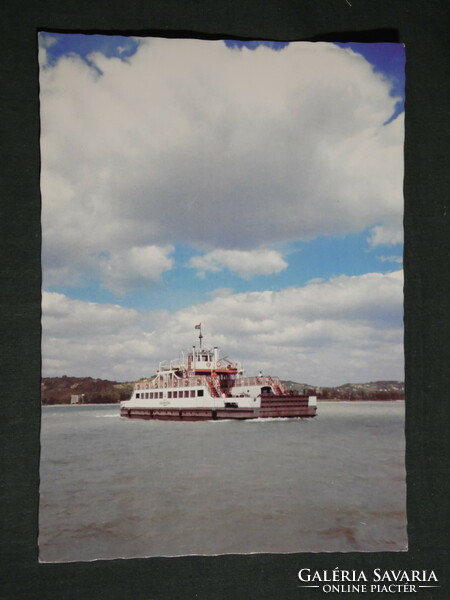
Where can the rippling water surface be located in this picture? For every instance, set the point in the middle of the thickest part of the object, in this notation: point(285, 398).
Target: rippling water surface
point(116, 488)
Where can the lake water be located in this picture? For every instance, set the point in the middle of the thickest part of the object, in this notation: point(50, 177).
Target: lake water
point(114, 488)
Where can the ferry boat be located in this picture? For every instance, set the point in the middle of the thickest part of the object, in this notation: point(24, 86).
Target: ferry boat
point(204, 386)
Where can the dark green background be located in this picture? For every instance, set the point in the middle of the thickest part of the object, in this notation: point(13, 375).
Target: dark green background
point(424, 28)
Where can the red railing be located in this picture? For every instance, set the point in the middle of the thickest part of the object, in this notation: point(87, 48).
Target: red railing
point(181, 382)
point(263, 380)
point(213, 383)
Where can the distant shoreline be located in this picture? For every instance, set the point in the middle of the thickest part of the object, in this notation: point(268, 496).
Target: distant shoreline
point(82, 404)
point(89, 391)
point(360, 399)
point(318, 400)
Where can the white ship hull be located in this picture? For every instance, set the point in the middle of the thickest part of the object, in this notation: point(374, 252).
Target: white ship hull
point(209, 388)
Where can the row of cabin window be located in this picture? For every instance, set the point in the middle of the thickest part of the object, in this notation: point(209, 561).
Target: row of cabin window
point(178, 394)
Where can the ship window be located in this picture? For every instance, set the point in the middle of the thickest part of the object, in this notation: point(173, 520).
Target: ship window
point(169, 394)
point(137, 395)
point(192, 393)
point(199, 392)
point(160, 394)
point(175, 394)
point(186, 394)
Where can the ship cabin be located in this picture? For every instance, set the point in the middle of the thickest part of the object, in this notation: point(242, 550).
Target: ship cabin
point(202, 361)
point(201, 367)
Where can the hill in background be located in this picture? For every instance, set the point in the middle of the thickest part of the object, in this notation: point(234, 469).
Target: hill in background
point(86, 390)
point(83, 390)
point(374, 390)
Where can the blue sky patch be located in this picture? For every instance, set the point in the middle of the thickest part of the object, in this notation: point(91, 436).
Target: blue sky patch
point(81, 44)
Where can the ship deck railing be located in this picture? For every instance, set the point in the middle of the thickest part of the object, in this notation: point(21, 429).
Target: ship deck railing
point(181, 382)
point(195, 380)
point(260, 380)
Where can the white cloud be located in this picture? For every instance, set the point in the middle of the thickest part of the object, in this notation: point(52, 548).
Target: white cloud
point(136, 267)
point(326, 333)
point(385, 235)
point(221, 292)
point(190, 142)
point(44, 42)
point(394, 259)
point(246, 264)
point(99, 339)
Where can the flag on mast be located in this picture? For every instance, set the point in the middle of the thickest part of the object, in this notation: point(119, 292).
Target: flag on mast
point(199, 326)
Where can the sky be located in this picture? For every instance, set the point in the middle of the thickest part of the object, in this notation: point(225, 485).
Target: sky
point(254, 187)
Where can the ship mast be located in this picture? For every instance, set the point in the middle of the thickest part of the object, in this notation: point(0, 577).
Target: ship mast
point(200, 337)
